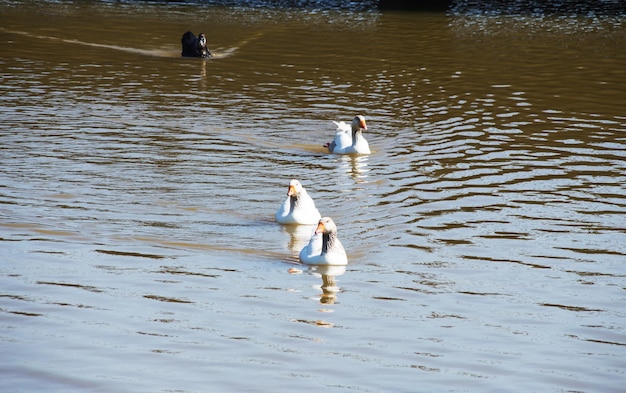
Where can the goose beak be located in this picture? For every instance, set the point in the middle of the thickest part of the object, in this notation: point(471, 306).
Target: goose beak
point(292, 191)
point(363, 125)
point(320, 228)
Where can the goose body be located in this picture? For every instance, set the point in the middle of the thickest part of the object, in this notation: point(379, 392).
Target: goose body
point(324, 248)
point(349, 139)
point(298, 208)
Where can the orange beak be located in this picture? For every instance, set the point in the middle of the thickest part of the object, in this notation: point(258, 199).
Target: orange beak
point(363, 125)
point(320, 228)
point(292, 191)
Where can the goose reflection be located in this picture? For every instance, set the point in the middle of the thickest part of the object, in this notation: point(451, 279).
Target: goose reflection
point(329, 285)
point(299, 236)
point(355, 166)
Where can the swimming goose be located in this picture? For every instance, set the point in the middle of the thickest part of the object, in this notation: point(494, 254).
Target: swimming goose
point(324, 248)
point(349, 139)
point(298, 208)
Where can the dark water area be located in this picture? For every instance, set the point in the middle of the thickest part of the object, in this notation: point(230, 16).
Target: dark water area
point(539, 8)
point(485, 233)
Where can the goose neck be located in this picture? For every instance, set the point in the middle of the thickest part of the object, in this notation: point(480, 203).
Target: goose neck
point(328, 242)
point(294, 202)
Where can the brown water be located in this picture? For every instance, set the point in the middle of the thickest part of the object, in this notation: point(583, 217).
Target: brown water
point(486, 233)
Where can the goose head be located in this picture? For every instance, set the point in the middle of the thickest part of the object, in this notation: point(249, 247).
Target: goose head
point(358, 124)
point(202, 46)
point(295, 188)
point(202, 40)
point(326, 226)
point(330, 243)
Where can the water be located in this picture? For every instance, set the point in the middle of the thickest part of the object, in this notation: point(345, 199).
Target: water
point(485, 233)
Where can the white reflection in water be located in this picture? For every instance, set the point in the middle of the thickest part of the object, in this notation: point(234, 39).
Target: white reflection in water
point(299, 236)
point(329, 286)
point(356, 167)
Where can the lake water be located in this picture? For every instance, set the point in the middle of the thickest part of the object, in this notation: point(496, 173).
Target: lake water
point(486, 233)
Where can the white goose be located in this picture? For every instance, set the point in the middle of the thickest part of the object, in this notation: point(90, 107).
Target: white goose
point(324, 248)
point(349, 139)
point(298, 208)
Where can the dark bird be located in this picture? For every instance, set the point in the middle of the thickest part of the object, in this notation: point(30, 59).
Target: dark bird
point(195, 46)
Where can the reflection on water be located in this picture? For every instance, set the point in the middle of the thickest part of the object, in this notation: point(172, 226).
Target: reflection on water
point(356, 167)
point(299, 236)
point(329, 285)
point(137, 196)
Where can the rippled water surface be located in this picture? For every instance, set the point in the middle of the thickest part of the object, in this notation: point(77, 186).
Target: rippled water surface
point(486, 233)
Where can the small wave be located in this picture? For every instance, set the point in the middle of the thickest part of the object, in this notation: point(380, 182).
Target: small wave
point(166, 53)
point(146, 52)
